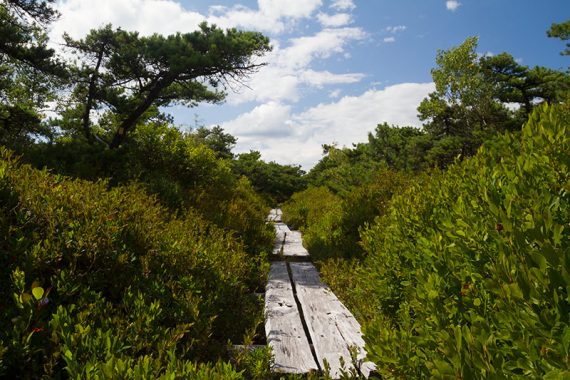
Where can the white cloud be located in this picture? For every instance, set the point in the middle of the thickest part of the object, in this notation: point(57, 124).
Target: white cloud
point(168, 16)
point(321, 45)
point(320, 78)
point(292, 138)
point(289, 68)
point(335, 93)
point(273, 16)
point(144, 16)
point(267, 120)
point(295, 9)
point(389, 39)
point(336, 20)
point(396, 28)
point(452, 5)
point(342, 5)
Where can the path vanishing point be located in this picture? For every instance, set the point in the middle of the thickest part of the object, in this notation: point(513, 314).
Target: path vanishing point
point(305, 323)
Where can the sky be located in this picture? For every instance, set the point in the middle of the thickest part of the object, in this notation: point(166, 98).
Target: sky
point(338, 68)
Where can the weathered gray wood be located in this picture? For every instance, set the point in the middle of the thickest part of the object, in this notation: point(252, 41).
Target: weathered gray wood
point(280, 230)
point(275, 215)
point(283, 326)
point(293, 245)
point(332, 327)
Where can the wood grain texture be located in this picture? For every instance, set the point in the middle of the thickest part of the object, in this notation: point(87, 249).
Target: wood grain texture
point(281, 230)
point(332, 327)
point(283, 326)
point(293, 245)
point(275, 215)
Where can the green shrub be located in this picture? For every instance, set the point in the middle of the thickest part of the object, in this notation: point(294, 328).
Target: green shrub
point(127, 288)
point(332, 222)
point(467, 274)
point(183, 172)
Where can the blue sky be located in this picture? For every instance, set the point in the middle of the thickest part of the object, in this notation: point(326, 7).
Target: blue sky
point(339, 67)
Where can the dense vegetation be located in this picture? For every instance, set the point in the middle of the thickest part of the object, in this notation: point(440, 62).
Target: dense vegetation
point(132, 249)
point(108, 281)
point(451, 243)
point(128, 248)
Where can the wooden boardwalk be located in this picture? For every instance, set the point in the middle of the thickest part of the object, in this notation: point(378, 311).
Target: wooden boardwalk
point(305, 323)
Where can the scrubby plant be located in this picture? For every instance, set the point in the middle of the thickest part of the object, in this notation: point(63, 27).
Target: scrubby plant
point(331, 222)
point(180, 169)
point(104, 281)
point(467, 274)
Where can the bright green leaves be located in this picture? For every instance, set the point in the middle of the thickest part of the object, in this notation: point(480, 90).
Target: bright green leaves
point(128, 74)
point(134, 279)
point(469, 270)
point(561, 31)
point(38, 292)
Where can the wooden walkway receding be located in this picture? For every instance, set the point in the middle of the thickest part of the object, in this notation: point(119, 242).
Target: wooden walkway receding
point(305, 323)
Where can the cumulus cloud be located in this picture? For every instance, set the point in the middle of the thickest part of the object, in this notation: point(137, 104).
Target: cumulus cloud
point(168, 16)
point(320, 45)
point(335, 93)
point(266, 120)
point(296, 138)
point(272, 16)
point(342, 5)
point(144, 16)
point(289, 68)
point(336, 20)
point(320, 78)
point(452, 5)
point(389, 39)
point(396, 28)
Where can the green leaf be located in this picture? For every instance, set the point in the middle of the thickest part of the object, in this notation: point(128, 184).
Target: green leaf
point(25, 298)
point(38, 292)
point(477, 302)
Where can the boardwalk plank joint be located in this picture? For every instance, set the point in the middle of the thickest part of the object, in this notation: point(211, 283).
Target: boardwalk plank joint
point(306, 324)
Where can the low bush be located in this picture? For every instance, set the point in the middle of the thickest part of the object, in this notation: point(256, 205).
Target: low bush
point(104, 281)
point(332, 222)
point(467, 274)
point(179, 168)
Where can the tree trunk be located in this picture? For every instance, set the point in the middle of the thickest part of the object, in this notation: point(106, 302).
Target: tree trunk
point(129, 122)
point(90, 96)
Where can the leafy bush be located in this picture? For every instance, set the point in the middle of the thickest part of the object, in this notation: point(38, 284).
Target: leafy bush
point(180, 169)
point(106, 282)
point(331, 222)
point(467, 274)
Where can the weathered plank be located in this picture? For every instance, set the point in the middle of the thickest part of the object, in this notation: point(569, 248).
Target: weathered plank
point(293, 245)
point(332, 327)
point(283, 326)
point(275, 215)
point(280, 230)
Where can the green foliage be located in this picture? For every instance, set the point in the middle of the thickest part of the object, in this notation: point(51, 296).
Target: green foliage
point(176, 166)
point(395, 146)
point(216, 139)
point(128, 74)
point(121, 287)
point(27, 70)
point(331, 222)
point(466, 275)
point(468, 105)
point(343, 168)
point(561, 31)
point(273, 181)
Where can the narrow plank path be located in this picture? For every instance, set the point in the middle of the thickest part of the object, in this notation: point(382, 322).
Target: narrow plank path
point(306, 324)
point(284, 327)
